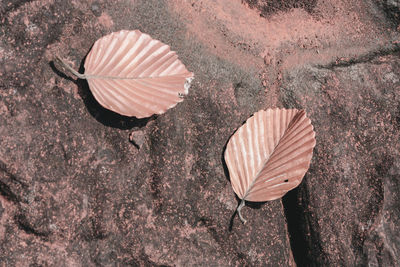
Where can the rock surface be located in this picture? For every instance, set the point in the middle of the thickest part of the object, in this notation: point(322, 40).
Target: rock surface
point(82, 186)
point(346, 212)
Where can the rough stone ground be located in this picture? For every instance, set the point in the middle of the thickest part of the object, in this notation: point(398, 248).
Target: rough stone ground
point(82, 186)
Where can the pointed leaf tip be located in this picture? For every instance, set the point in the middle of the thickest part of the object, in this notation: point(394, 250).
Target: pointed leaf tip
point(132, 74)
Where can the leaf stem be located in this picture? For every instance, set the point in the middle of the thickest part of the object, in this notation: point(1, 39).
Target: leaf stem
point(241, 205)
point(77, 74)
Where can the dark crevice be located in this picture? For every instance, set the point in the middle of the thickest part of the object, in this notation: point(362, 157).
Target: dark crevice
point(368, 57)
point(6, 192)
point(134, 144)
point(392, 11)
point(10, 175)
point(24, 225)
point(304, 240)
point(270, 7)
point(11, 187)
point(295, 218)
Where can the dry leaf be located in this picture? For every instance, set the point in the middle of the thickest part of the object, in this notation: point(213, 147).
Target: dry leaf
point(134, 75)
point(270, 154)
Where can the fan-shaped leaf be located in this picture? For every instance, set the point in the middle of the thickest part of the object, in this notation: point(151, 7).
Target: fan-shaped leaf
point(134, 75)
point(269, 154)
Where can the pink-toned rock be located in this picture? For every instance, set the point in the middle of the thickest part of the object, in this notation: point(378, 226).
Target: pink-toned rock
point(346, 211)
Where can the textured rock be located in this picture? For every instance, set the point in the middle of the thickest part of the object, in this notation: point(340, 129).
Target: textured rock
point(392, 8)
point(82, 186)
point(349, 200)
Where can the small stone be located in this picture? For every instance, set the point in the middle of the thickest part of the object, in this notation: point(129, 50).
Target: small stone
point(137, 138)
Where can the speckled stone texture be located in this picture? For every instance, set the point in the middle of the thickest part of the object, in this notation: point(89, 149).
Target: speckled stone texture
point(83, 186)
